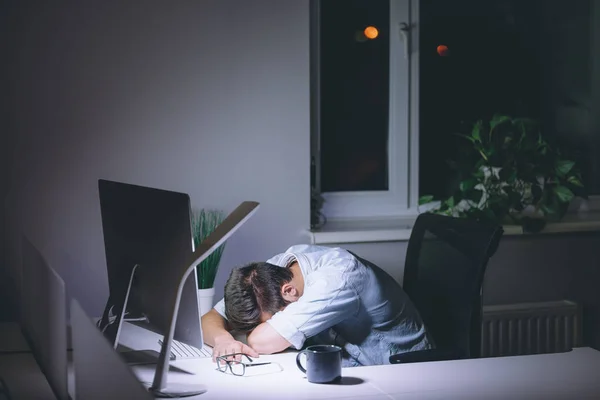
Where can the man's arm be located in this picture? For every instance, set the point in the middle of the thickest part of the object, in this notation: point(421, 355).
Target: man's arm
point(214, 328)
point(216, 334)
point(265, 340)
point(325, 303)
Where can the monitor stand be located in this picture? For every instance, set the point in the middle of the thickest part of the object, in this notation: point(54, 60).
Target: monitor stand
point(179, 390)
point(172, 390)
point(159, 387)
point(141, 357)
point(129, 356)
point(99, 371)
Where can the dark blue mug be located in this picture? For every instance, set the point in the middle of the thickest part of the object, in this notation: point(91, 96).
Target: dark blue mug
point(323, 363)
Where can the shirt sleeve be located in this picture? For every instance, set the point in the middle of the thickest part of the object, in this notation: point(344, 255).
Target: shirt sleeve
point(283, 259)
point(278, 259)
point(307, 249)
point(327, 300)
point(220, 308)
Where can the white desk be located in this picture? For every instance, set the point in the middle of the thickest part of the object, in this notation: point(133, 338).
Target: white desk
point(572, 375)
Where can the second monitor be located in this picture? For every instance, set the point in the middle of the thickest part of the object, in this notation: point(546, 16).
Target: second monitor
point(147, 229)
point(148, 238)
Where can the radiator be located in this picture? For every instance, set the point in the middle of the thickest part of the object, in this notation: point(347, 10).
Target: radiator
point(530, 328)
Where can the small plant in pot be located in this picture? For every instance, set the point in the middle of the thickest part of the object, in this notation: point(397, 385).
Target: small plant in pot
point(204, 222)
point(509, 173)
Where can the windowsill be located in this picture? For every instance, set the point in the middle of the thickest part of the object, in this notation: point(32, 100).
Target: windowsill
point(398, 229)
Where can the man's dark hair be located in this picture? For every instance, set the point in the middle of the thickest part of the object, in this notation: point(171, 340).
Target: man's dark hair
point(252, 290)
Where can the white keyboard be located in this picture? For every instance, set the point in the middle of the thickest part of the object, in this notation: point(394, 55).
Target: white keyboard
point(185, 351)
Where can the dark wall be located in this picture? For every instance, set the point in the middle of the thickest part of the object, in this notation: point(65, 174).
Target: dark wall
point(205, 97)
point(528, 268)
point(549, 267)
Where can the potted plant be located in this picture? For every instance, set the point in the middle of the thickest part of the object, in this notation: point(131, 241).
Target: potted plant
point(509, 173)
point(204, 222)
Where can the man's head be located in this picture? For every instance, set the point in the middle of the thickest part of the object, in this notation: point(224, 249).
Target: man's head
point(255, 292)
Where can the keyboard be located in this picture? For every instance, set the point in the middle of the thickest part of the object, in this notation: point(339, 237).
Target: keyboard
point(182, 351)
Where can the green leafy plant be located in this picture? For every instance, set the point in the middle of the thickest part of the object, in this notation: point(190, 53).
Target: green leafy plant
point(317, 218)
point(204, 223)
point(509, 173)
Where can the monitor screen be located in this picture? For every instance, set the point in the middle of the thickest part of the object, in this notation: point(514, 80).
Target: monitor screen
point(149, 230)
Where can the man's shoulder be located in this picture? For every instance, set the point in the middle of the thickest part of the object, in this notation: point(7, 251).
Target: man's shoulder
point(321, 260)
point(308, 248)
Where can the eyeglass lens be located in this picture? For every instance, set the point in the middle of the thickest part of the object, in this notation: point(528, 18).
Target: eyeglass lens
point(236, 367)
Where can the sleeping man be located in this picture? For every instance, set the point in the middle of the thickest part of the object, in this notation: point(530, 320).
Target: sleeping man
point(315, 295)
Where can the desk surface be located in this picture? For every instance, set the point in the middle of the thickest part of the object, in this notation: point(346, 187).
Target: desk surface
point(552, 376)
point(549, 376)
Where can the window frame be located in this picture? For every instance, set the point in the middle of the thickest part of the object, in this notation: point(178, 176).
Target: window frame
point(595, 77)
point(403, 146)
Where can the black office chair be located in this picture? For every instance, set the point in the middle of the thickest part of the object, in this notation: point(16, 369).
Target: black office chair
point(443, 275)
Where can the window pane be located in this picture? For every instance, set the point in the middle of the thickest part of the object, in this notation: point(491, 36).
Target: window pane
point(354, 90)
point(492, 71)
point(522, 58)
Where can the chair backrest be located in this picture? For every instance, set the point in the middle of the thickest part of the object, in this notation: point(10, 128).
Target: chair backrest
point(445, 265)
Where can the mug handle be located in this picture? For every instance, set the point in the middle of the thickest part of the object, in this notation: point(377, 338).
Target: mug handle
point(298, 361)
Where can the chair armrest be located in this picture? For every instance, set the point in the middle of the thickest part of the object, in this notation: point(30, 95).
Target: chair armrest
point(424, 355)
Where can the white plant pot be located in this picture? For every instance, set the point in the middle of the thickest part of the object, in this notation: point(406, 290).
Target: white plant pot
point(206, 299)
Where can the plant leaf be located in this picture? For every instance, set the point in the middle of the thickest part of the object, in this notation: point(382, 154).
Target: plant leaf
point(425, 199)
point(563, 167)
point(550, 206)
point(497, 120)
point(204, 222)
point(563, 193)
point(483, 155)
point(467, 184)
point(573, 180)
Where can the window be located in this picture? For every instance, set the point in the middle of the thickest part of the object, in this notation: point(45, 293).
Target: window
point(385, 108)
point(364, 96)
point(571, 77)
point(524, 58)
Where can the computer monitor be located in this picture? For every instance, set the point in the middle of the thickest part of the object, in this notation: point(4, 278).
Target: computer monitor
point(147, 230)
point(100, 373)
point(150, 260)
point(43, 317)
point(173, 297)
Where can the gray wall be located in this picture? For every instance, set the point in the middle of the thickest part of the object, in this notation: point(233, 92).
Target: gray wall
point(206, 97)
point(525, 269)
